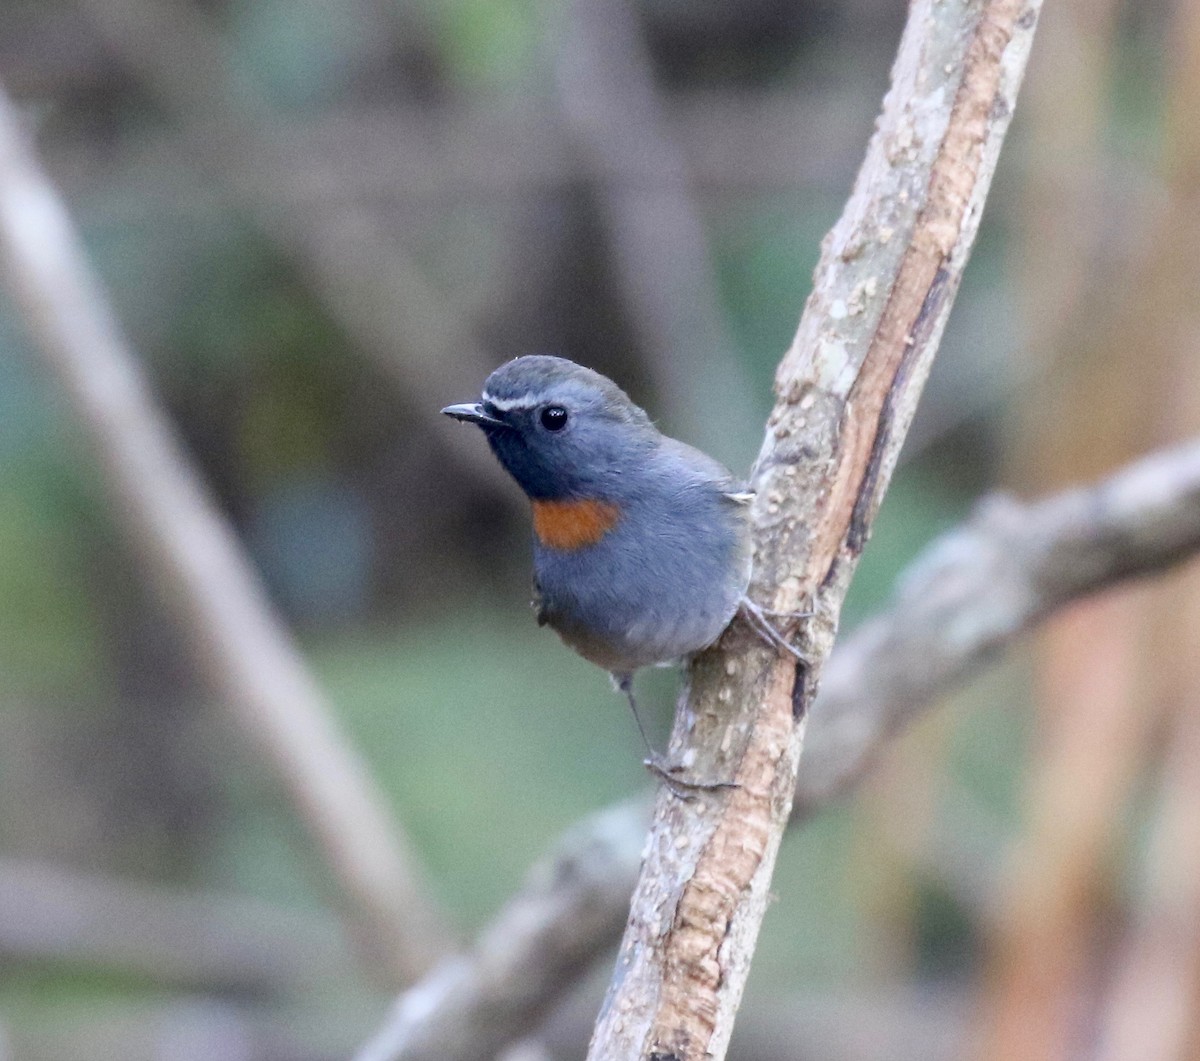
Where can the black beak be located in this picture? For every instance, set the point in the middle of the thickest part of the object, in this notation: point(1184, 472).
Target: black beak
point(473, 413)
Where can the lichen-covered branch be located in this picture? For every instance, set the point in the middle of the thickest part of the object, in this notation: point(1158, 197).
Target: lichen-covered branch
point(201, 572)
point(846, 391)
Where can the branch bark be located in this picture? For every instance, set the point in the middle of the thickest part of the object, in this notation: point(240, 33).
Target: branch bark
point(203, 576)
point(846, 391)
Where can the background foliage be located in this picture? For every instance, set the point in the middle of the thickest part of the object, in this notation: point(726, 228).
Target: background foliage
point(433, 139)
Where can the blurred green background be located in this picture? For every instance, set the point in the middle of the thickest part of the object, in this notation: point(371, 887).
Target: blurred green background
point(318, 222)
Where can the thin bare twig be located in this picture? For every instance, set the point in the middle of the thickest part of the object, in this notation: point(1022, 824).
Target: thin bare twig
point(203, 576)
point(168, 935)
point(972, 594)
point(744, 144)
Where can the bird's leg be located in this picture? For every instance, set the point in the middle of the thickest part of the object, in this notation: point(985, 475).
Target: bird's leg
point(657, 764)
point(756, 614)
point(624, 683)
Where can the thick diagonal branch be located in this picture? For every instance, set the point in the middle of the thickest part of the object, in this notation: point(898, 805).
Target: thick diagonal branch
point(845, 395)
point(203, 576)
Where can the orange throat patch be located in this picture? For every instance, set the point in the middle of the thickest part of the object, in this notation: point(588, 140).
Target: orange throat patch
point(573, 524)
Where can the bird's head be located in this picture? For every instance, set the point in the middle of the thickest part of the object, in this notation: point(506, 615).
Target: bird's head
point(561, 430)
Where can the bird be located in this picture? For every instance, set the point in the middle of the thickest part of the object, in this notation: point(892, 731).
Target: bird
point(641, 543)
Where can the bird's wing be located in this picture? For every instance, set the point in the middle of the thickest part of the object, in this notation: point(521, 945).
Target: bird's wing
point(707, 468)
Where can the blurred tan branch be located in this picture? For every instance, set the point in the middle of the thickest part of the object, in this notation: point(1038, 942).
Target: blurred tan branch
point(1151, 1012)
point(194, 558)
point(969, 597)
point(656, 234)
point(1106, 679)
point(1153, 1009)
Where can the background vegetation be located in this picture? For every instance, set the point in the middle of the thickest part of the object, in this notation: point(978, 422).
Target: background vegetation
point(321, 221)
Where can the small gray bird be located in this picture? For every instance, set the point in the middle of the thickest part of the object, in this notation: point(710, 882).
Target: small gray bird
point(641, 549)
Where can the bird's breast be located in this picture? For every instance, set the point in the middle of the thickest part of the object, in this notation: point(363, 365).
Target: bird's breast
point(570, 525)
point(656, 581)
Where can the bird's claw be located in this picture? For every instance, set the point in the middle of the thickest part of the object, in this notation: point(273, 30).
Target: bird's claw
point(669, 773)
point(756, 615)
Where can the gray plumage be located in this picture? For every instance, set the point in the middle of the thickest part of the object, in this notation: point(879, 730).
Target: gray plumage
point(668, 576)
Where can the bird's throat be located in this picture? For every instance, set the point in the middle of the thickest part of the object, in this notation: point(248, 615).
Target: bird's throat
point(573, 524)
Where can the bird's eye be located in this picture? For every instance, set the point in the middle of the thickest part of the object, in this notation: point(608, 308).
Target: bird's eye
point(554, 418)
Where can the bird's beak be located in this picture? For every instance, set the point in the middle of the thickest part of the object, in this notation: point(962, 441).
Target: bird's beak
point(473, 413)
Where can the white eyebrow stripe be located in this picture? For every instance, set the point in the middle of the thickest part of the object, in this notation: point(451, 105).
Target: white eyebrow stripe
point(505, 405)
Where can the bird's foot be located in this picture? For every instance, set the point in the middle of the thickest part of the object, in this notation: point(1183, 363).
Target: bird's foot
point(681, 786)
point(757, 615)
point(784, 615)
